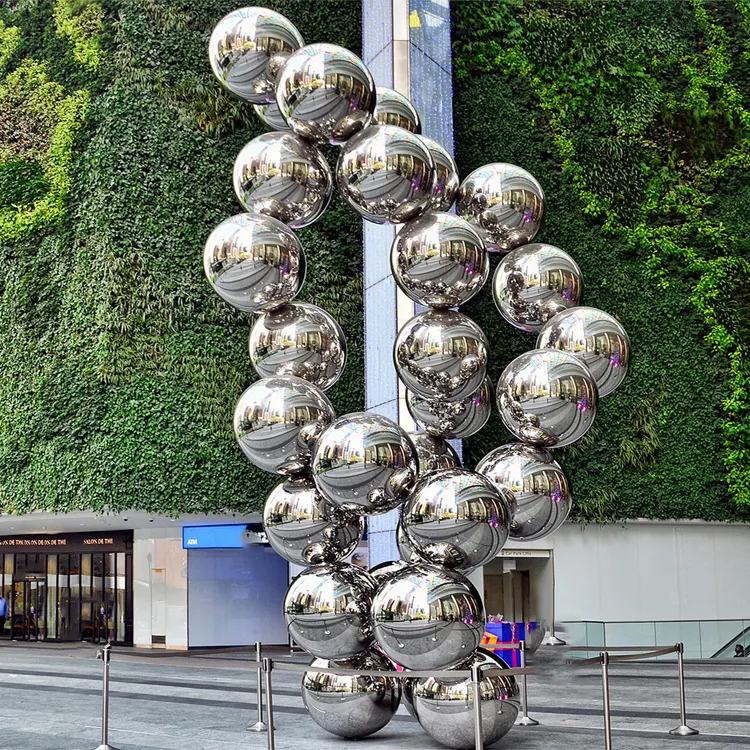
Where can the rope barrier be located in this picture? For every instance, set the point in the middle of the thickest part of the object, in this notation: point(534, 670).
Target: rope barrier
point(610, 649)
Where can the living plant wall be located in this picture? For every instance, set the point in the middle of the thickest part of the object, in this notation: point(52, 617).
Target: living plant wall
point(119, 367)
point(634, 117)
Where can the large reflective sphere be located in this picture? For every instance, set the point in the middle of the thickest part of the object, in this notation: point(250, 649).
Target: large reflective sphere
point(456, 518)
point(445, 707)
point(387, 174)
point(538, 484)
point(547, 398)
point(281, 175)
point(303, 529)
point(386, 570)
point(248, 47)
point(393, 108)
point(452, 420)
point(278, 420)
point(325, 93)
point(365, 463)
point(505, 202)
point(441, 354)
point(428, 618)
point(596, 338)
point(327, 610)
point(301, 340)
point(405, 549)
point(351, 705)
point(445, 189)
point(433, 453)
point(270, 115)
point(534, 283)
point(438, 260)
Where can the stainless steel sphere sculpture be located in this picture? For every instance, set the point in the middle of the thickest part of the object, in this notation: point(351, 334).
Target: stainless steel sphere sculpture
point(419, 612)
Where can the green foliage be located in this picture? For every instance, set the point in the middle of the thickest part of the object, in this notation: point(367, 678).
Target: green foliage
point(81, 22)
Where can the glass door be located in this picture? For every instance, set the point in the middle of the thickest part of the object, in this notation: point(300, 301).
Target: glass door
point(28, 607)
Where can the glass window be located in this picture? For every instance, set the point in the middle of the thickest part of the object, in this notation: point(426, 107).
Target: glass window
point(52, 596)
point(75, 595)
point(120, 594)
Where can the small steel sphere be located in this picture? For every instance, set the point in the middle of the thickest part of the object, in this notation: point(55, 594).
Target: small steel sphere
point(456, 518)
point(447, 181)
point(351, 705)
point(247, 48)
point(365, 464)
point(270, 115)
point(427, 617)
point(547, 398)
point(538, 484)
point(278, 420)
point(301, 340)
point(505, 202)
point(441, 354)
point(325, 93)
point(433, 453)
point(303, 529)
point(534, 283)
point(596, 338)
point(438, 260)
point(254, 262)
point(327, 610)
point(393, 108)
point(452, 420)
point(281, 175)
point(386, 570)
point(386, 174)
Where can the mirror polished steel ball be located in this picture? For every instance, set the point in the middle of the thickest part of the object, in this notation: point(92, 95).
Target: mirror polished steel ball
point(405, 549)
point(539, 486)
point(452, 420)
point(445, 707)
point(534, 283)
point(247, 48)
point(442, 355)
point(393, 108)
point(301, 340)
point(254, 262)
point(456, 518)
point(596, 338)
point(365, 464)
point(303, 529)
point(438, 260)
point(428, 618)
point(351, 705)
point(447, 181)
point(278, 420)
point(433, 453)
point(505, 202)
point(325, 93)
point(327, 610)
point(270, 115)
point(547, 398)
point(386, 174)
point(281, 175)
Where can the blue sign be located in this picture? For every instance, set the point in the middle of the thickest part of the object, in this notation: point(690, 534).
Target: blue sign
point(214, 537)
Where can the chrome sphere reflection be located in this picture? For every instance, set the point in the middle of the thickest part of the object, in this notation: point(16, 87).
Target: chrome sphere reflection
point(433, 453)
point(270, 115)
point(405, 548)
point(505, 202)
point(351, 705)
point(365, 464)
point(441, 354)
point(301, 340)
point(535, 282)
point(407, 695)
point(456, 518)
point(538, 484)
point(547, 398)
point(596, 338)
point(445, 707)
point(254, 262)
point(325, 93)
point(452, 420)
point(386, 174)
point(447, 181)
point(303, 530)
point(247, 48)
point(327, 610)
point(393, 108)
point(427, 617)
point(281, 175)
point(438, 260)
point(386, 570)
point(278, 420)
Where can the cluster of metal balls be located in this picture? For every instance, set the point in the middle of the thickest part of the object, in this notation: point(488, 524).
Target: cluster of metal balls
point(421, 612)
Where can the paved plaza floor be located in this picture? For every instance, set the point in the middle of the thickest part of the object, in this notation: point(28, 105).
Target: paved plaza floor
point(50, 699)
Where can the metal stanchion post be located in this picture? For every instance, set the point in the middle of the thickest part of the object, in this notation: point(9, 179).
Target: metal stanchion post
point(604, 656)
point(525, 720)
point(476, 679)
point(683, 730)
point(260, 725)
point(104, 654)
point(267, 669)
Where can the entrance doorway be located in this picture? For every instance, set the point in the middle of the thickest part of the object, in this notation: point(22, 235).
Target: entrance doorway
point(27, 605)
